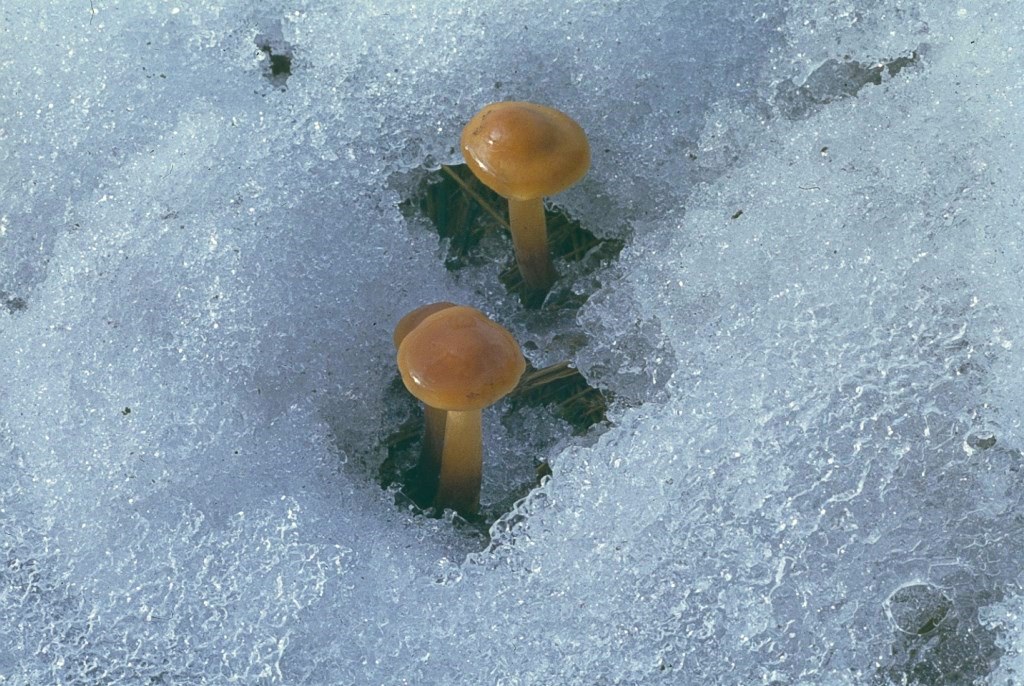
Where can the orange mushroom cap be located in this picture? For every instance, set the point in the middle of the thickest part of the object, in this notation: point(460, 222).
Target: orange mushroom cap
point(414, 318)
point(459, 360)
point(522, 150)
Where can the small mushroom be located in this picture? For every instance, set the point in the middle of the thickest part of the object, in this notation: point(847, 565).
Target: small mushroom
point(459, 361)
point(523, 152)
point(433, 418)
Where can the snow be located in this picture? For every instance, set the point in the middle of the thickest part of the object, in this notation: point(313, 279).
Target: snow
point(812, 469)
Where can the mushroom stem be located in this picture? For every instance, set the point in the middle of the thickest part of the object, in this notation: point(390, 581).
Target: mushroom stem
point(461, 462)
point(434, 420)
point(530, 239)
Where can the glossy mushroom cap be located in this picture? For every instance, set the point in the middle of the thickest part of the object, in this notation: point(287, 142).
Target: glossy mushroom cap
point(414, 318)
point(524, 151)
point(459, 360)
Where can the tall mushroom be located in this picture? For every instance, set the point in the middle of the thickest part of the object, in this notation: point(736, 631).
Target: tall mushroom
point(459, 361)
point(523, 152)
point(433, 418)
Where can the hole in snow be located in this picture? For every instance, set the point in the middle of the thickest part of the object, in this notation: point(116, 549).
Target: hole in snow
point(12, 303)
point(277, 55)
point(553, 403)
point(937, 641)
point(473, 221)
point(835, 80)
point(549, 405)
point(917, 609)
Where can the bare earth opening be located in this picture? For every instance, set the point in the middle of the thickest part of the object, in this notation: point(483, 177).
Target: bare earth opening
point(466, 216)
point(464, 211)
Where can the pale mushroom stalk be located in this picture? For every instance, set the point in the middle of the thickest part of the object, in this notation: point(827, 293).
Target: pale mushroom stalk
point(530, 240)
point(461, 463)
point(434, 422)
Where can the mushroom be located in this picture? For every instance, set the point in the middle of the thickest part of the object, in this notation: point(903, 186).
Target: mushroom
point(459, 361)
point(523, 152)
point(433, 418)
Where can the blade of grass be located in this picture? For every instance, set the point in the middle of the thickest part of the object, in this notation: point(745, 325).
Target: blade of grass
point(476, 196)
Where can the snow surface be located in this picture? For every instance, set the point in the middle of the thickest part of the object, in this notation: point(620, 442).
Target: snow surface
point(813, 469)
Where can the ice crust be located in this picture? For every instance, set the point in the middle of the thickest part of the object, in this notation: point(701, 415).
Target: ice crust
point(813, 472)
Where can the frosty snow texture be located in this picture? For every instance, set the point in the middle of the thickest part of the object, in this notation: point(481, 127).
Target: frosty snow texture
point(813, 472)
